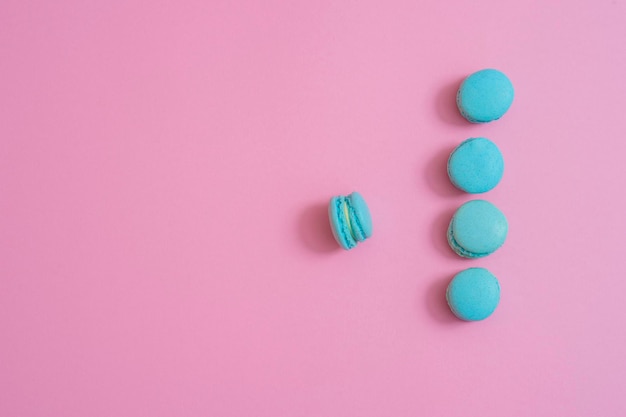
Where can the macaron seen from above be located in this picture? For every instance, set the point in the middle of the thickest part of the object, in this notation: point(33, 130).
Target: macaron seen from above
point(477, 229)
point(473, 294)
point(350, 220)
point(485, 96)
point(476, 165)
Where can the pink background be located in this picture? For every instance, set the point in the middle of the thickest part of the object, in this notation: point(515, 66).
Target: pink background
point(164, 174)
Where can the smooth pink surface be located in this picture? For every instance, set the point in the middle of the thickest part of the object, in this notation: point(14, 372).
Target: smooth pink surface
point(164, 174)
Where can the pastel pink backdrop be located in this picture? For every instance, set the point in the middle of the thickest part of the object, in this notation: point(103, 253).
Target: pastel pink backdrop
point(164, 173)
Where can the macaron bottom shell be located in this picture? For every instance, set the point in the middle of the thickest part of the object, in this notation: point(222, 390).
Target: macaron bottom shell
point(339, 224)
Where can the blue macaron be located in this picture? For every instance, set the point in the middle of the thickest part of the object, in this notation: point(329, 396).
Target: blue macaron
point(350, 220)
point(476, 165)
point(485, 96)
point(477, 229)
point(473, 294)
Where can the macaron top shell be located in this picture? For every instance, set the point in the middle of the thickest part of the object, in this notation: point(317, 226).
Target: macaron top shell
point(473, 294)
point(485, 96)
point(477, 229)
point(350, 220)
point(476, 165)
point(360, 218)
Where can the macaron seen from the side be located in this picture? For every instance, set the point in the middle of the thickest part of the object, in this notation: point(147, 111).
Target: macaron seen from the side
point(350, 220)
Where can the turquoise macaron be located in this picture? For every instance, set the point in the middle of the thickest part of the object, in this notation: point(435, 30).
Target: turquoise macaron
point(350, 220)
point(485, 96)
point(473, 294)
point(477, 229)
point(476, 165)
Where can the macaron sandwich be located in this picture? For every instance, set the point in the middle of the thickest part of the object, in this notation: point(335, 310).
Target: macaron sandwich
point(350, 220)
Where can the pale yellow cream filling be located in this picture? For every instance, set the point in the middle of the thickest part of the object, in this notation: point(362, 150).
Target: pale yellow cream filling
point(347, 217)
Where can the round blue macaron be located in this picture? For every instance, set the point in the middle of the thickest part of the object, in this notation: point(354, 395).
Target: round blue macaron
point(477, 229)
point(485, 96)
point(473, 294)
point(350, 220)
point(476, 165)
